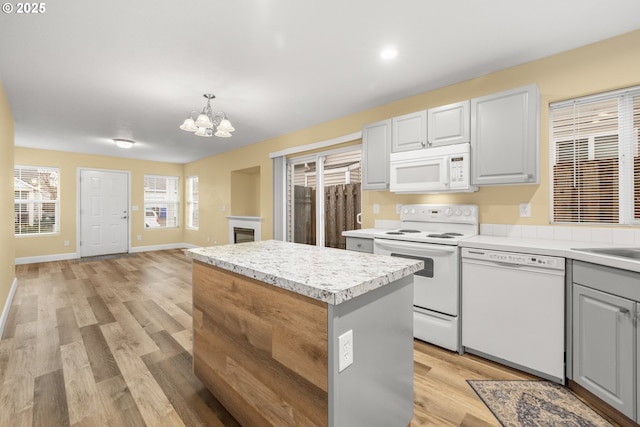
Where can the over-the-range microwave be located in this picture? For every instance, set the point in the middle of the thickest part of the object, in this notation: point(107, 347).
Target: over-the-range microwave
point(431, 170)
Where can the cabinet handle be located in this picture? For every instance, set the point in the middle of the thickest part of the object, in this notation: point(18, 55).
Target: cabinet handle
point(624, 310)
point(423, 144)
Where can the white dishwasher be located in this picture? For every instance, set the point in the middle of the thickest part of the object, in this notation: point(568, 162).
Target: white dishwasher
point(513, 310)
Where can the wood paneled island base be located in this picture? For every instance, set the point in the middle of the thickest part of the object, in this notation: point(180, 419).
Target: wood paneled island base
point(261, 350)
point(267, 322)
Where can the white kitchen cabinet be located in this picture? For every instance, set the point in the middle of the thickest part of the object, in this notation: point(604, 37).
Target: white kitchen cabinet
point(449, 124)
point(376, 146)
point(505, 144)
point(409, 132)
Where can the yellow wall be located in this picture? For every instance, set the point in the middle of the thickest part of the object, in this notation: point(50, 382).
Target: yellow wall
point(68, 163)
point(7, 243)
point(609, 64)
point(606, 65)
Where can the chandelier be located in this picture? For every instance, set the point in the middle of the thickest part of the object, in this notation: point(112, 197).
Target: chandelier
point(206, 121)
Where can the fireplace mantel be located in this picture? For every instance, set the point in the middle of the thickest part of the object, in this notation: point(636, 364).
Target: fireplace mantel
point(252, 222)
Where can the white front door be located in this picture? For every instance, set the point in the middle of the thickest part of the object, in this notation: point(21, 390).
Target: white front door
point(104, 214)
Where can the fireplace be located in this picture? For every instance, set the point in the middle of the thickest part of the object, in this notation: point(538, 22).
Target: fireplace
point(242, 235)
point(244, 229)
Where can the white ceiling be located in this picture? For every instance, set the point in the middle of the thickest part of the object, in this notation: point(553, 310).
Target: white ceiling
point(84, 72)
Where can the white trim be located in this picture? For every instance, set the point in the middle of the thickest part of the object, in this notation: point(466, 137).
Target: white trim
point(7, 305)
point(317, 145)
point(46, 258)
point(70, 256)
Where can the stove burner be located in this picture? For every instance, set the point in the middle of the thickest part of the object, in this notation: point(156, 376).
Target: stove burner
point(408, 231)
point(394, 232)
point(441, 236)
point(453, 234)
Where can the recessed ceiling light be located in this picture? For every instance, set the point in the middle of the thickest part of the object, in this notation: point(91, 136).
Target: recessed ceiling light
point(388, 53)
point(124, 143)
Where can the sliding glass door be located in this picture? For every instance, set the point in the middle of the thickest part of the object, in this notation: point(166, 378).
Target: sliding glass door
point(323, 197)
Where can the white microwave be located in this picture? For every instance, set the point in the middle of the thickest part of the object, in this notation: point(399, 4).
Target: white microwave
point(431, 170)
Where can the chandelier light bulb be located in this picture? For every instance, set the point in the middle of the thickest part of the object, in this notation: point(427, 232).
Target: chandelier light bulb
point(202, 124)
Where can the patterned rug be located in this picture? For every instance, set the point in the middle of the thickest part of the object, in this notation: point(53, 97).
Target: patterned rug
point(535, 403)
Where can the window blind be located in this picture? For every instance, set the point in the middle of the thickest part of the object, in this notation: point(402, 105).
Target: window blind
point(161, 196)
point(192, 202)
point(36, 200)
point(595, 158)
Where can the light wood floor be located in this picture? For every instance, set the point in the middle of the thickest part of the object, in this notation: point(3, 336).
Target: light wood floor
point(109, 343)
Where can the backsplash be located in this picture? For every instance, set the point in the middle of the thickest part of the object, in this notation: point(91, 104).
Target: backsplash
point(623, 236)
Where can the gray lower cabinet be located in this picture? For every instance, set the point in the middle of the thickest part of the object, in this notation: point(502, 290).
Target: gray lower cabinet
point(360, 244)
point(376, 147)
point(603, 353)
point(605, 336)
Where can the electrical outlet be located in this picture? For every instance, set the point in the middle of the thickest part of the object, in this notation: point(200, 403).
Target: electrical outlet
point(139, 237)
point(525, 210)
point(345, 350)
point(66, 243)
point(208, 238)
point(398, 208)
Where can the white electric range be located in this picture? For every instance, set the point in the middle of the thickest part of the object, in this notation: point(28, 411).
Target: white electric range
point(431, 233)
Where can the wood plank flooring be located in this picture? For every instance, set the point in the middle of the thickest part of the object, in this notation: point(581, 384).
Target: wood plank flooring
point(108, 343)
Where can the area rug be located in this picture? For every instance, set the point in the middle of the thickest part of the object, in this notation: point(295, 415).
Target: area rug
point(535, 403)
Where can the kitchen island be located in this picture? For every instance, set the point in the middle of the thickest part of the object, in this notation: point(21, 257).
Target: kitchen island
point(268, 318)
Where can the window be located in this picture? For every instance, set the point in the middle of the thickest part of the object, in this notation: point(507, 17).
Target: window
point(594, 154)
point(36, 205)
point(161, 201)
point(192, 202)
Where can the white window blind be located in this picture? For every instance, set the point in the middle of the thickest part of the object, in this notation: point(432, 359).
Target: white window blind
point(36, 200)
point(192, 202)
point(594, 154)
point(162, 198)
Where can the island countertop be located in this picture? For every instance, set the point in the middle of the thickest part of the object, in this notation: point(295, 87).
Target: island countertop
point(326, 274)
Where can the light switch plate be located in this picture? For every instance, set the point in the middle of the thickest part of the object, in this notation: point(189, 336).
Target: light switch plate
point(345, 350)
point(376, 208)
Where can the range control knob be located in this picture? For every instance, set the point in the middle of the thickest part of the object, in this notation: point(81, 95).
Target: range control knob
point(467, 212)
point(413, 211)
point(405, 211)
point(458, 212)
point(448, 212)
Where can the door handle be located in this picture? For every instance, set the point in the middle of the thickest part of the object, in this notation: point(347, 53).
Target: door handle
point(124, 217)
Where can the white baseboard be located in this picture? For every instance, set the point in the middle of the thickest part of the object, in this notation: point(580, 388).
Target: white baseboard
point(67, 256)
point(7, 305)
point(46, 258)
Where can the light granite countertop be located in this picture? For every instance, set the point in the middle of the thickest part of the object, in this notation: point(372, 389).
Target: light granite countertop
point(330, 275)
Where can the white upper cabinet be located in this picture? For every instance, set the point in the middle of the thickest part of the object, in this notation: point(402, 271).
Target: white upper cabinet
point(376, 146)
point(449, 124)
point(505, 144)
point(409, 132)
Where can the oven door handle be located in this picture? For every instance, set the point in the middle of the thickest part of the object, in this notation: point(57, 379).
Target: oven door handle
point(427, 247)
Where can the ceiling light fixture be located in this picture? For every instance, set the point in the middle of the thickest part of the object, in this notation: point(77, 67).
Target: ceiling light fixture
point(388, 53)
point(202, 124)
point(124, 143)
